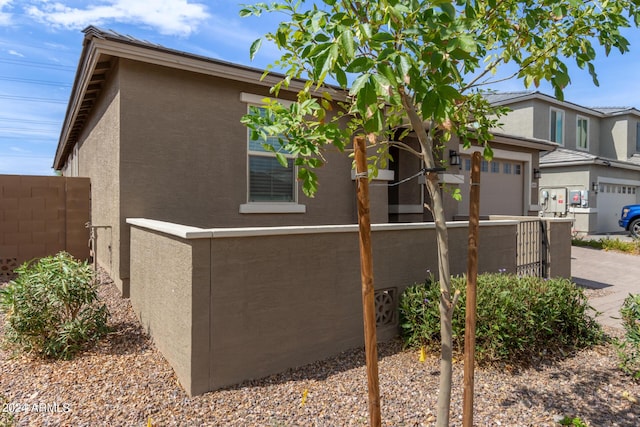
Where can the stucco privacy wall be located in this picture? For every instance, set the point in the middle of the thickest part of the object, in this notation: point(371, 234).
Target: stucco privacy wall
point(227, 305)
point(40, 216)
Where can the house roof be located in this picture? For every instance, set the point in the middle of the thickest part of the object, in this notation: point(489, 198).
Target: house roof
point(101, 47)
point(506, 98)
point(565, 157)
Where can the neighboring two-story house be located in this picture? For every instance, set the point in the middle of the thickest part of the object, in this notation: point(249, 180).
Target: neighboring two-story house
point(596, 169)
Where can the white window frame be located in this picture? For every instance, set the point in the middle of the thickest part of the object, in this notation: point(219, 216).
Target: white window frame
point(267, 206)
point(578, 119)
point(553, 125)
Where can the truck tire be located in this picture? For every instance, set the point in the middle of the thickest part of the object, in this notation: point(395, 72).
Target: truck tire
point(634, 228)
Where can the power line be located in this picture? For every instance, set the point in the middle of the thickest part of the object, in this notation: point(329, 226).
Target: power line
point(18, 156)
point(33, 81)
point(33, 99)
point(27, 138)
point(12, 129)
point(37, 64)
point(35, 122)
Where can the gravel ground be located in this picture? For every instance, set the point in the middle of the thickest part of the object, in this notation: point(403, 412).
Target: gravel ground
point(125, 381)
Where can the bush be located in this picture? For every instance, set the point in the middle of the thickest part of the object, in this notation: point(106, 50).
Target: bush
point(519, 319)
point(52, 309)
point(629, 347)
point(632, 247)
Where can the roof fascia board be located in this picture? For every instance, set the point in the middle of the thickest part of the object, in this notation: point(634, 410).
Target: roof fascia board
point(595, 162)
point(551, 100)
point(199, 65)
point(631, 112)
point(87, 64)
point(524, 142)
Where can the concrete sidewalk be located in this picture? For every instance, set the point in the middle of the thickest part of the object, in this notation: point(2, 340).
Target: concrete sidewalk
point(618, 274)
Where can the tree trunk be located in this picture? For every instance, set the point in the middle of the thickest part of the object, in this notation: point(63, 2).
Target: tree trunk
point(446, 306)
point(444, 275)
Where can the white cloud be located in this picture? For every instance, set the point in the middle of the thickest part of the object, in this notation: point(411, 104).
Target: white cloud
point(15, 53)
point(174, 17)
point(5, 17)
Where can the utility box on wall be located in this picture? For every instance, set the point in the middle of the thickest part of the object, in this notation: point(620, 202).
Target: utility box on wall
point(553, 201)
point(579, 198)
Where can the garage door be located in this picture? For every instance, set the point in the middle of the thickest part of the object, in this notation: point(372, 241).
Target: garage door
point(611, 199)
point(501, 187)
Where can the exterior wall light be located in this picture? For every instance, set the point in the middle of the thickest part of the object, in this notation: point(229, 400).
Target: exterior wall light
point(454, 158)
point(536, 173)
point(594, 187)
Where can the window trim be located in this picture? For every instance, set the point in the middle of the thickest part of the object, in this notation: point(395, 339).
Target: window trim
point(578, 119)
point(261, 207)
point(555, 124)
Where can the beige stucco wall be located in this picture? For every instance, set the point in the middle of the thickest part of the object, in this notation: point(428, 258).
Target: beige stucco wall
point(185, 150)
point(531, 118)
point(615, 137)
point(521, 118)
point(183, 158)
point(169, 144)
point(559, 243)
point(99, 159)
point(229, 308)
point(170, 297)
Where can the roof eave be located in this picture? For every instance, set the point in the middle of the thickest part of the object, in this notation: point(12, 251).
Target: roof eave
point(537, 144)
point(98, 43)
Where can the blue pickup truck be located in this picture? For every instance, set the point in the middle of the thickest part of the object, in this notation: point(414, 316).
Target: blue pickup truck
point(630, 220)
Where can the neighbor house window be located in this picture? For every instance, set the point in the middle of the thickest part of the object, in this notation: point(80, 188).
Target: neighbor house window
point(495, 167)
point(638, 137)
point(556, 131)
point(507, 168)
point(269, 181)
point(484, 166)
point(582, 133)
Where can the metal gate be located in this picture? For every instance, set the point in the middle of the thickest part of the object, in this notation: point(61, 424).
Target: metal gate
point(531, 257)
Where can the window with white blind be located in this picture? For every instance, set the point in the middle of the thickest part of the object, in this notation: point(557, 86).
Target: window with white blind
point(269, 181)
point(271, 187)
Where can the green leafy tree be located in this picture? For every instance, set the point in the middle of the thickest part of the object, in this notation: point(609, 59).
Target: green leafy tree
point(422, 67)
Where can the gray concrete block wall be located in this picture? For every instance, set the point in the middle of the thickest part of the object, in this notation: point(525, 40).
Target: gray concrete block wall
point(42, 215)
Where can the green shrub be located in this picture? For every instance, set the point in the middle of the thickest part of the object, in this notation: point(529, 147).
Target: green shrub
point(51, 307)
point(632, 247)
point(596, 244)
point(519, 319)
point(629, 346)
point(571, 421)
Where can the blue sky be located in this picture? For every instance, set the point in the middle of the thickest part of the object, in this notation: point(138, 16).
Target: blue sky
point(41, 41)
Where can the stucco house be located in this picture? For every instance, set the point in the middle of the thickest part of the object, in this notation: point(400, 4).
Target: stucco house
point(596, 169)
point(232, 270)
point(158, 132)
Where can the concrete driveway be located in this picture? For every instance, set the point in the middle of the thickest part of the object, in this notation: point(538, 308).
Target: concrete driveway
point(615, 274)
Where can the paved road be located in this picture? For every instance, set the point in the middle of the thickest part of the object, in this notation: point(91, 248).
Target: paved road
point(617, 273)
